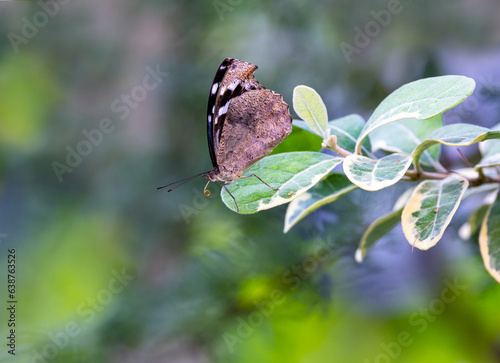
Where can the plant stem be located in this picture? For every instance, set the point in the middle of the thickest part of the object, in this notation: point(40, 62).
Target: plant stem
point(413, 175)
point(330, 142)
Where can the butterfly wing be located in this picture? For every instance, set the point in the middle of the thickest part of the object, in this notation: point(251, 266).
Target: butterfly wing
point(233, 78)
point(257, 121)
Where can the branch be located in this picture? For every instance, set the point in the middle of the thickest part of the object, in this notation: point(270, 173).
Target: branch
point(413, 175)
point(330, 142)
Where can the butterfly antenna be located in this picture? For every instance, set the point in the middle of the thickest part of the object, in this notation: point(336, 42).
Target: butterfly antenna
point(182, 181)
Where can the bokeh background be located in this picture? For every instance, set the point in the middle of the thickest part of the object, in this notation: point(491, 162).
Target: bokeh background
point(110, 270)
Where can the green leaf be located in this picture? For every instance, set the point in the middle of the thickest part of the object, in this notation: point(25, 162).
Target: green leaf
point(298, 140)
point(483, 188)
point(370, 174)
point(293, 173)
point(405, 135)
point(455, 135)
point(347, 130)
point(381, 226)
point(430, 209)
point(421, 99)
point(375, 231)
point(489, 239)
point(490, 160)
point(309, 106)
point(489, 146)
point(403, 199)
point(326, 191)
point(302, 124)
point(490, 149)
point(469, 228)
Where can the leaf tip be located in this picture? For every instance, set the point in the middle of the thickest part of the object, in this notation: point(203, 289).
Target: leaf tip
point(465, 231)
point(359, 255)
point(287, 227)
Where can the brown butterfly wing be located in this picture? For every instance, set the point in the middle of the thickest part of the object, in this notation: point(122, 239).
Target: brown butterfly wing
point(257, 121)
point(233, 78)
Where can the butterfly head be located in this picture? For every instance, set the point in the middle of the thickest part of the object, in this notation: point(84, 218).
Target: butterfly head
point(213, 176)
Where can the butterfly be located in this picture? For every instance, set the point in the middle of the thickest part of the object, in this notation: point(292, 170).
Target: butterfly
point(245, 122)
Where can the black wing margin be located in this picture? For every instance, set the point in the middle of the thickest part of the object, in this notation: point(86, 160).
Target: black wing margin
point(211, 109)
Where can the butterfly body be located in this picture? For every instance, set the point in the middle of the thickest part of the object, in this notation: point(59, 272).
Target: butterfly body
point(245, 121)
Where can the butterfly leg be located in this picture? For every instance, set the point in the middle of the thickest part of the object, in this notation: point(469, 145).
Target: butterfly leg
point(248, 176)
point(232, 196)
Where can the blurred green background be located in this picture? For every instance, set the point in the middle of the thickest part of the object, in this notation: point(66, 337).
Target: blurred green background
point(110, 270)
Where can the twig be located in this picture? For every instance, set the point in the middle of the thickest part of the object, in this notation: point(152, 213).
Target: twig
point(330, 142)
point(464, 159)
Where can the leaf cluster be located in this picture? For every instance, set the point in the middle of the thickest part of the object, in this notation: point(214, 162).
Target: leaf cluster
point(401, 141)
